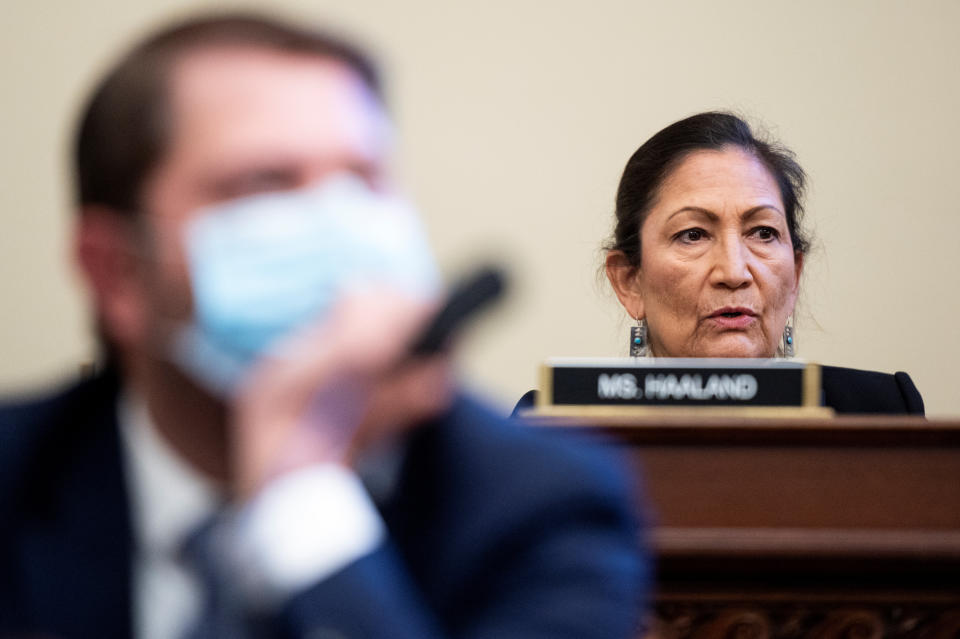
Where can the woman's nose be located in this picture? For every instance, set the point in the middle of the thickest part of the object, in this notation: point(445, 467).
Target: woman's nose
point(731, 268)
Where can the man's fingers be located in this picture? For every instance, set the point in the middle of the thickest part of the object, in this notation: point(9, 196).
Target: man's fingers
point(336, 387)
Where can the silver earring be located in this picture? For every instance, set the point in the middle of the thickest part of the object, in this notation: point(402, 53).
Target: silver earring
point(788, 348)
point(638, 339)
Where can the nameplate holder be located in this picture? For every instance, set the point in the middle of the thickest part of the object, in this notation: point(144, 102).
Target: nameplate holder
point(587, 387)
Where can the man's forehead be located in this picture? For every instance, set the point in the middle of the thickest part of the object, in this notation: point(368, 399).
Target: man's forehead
point(227, 98)
point(205, 66)
point(216, 78)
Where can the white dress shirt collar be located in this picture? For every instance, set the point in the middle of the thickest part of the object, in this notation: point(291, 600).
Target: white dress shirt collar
point(168, 499)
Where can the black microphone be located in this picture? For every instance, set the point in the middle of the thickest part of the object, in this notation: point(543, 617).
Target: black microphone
point(466, 300)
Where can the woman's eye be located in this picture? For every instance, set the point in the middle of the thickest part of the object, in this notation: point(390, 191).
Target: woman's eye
point(765, 233)
point(690, 236)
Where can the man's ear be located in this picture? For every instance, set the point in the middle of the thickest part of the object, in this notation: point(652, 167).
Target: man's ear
point(105, 254)
point(623, 278)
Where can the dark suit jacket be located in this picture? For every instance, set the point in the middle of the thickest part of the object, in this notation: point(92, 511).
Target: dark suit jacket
point(846, 390)
point(495, 531)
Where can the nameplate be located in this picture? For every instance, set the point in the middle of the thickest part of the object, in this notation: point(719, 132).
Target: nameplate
point(569, 385)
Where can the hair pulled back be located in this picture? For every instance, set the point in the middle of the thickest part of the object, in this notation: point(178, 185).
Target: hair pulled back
point(652, 163)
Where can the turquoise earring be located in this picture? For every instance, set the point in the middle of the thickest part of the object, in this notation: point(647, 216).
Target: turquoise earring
point(638, 339)
point(789, 341)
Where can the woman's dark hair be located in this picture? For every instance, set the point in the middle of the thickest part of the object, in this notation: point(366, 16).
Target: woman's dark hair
point(653, 162)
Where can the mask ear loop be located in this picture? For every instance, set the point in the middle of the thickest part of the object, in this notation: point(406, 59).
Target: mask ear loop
point(172, 340)
point(178, 341)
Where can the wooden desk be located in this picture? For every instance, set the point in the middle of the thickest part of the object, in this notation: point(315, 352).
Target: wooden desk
point(787, 528)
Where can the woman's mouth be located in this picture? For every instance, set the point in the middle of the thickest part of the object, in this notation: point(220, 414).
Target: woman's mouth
point(732, 318)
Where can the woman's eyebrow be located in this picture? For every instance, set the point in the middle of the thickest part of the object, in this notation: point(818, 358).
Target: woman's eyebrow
point(754, 211)
point(713, 217)
point(695, 209)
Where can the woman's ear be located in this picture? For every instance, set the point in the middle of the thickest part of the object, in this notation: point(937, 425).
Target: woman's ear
point(623, 278)
point(797, 269)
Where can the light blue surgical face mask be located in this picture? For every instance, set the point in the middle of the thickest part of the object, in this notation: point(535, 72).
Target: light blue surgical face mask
point(264, 266)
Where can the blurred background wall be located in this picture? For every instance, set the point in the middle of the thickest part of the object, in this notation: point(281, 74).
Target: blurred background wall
point(515, 120)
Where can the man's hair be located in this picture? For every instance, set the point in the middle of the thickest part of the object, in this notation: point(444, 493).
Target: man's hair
point(125, 128)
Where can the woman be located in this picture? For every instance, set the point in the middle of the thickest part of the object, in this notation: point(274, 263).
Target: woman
point(708, 250)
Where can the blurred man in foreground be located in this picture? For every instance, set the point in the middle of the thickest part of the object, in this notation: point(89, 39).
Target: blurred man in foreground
point(261, 455)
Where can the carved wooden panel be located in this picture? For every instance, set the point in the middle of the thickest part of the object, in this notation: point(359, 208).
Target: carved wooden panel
point(845, 528)
point(809, 620)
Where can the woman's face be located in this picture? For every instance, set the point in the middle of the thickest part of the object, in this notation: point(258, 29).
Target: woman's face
point(718, 274)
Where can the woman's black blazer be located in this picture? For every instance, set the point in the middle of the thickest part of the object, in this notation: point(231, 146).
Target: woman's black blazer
point(848, 390)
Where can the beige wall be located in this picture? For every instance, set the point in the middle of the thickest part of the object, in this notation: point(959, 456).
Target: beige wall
point(516, 119)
